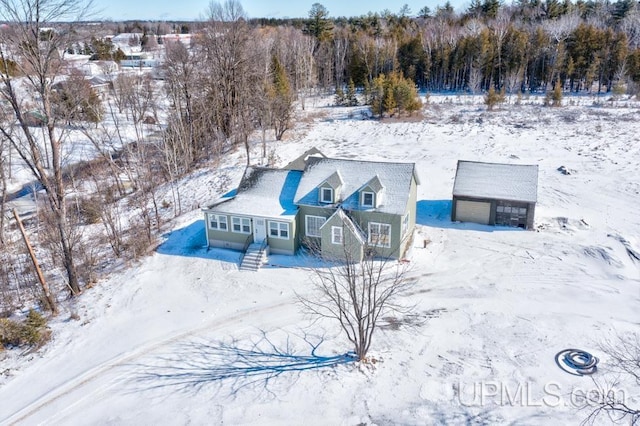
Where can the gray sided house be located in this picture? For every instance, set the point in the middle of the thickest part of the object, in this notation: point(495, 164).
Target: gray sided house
point(341, 208)
point(495, 194)
point(356, 205)
point(261, 210)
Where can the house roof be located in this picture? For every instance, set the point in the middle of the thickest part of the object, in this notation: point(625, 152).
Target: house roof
point(515, 182)
point(262, 192)
point(301, 162)
point(395, 177)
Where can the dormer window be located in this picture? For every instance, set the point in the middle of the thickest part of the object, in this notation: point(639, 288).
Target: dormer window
point(368, 199)
point(326, 195)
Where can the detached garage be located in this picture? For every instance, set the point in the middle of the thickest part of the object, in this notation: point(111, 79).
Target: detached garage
point(495, 194)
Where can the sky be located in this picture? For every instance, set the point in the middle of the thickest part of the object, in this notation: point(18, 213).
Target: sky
point(194, 9)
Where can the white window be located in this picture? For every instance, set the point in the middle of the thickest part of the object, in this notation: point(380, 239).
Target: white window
point(380, 234)
point(336, 235)
point(218, 222)
point(313, 224)
point(279, 230)
point(367, 199)
point(405, 224)
point(326, 195)
point(241, 225)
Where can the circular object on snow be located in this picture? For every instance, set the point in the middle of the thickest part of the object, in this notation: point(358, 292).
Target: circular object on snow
point(577, 362)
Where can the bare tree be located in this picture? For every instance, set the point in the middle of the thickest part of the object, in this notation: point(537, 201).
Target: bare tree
point(357, 292)
point(228, 49)
point(29, 41)
point(607, 399)
point(4, 154)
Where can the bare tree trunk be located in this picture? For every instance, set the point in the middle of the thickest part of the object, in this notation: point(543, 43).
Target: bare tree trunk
point(43, 283)
point(3, 195)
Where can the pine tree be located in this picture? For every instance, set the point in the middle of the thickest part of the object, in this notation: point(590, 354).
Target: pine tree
point(281, 97)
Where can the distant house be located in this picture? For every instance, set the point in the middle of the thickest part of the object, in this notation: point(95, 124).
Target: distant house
point(138, 60)
point(495, 194)
point(98, 68)
point(339, 208)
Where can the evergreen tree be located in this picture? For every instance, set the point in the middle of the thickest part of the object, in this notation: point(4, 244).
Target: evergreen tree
point(281, 98)
point(393, 94)
point(318, 25)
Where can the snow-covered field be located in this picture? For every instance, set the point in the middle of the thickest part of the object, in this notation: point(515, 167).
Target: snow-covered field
point(184, 337)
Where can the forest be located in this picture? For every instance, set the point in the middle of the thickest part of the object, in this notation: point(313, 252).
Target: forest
point(526, 46)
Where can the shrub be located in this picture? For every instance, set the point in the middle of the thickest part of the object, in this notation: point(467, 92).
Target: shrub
point(555, 97)
point(90, 210)
point(32, 332)
point(10, 332)
point(392, 93)
point(494, 98)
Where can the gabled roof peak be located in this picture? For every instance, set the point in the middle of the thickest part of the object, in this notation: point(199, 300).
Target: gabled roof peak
point(348, 223)
point(375, 184)
point(334, 180)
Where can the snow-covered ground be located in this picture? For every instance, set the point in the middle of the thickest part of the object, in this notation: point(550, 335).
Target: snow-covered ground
point(185, 337)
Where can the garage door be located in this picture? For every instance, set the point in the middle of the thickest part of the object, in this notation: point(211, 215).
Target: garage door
point(473, 211)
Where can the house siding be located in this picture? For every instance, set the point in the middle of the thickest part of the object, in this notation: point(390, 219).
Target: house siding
point(225, 239)
point(351, 247)
point(280, 245)
point(304, 211)
point(412, 210)
point(237, 241)
point(363, 218)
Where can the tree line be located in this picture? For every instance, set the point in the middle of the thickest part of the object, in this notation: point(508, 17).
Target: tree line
point(529, 45)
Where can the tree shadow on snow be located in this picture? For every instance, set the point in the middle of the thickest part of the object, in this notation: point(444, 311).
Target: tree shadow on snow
point(437, 214)
point(191, 241)
point(233, 365)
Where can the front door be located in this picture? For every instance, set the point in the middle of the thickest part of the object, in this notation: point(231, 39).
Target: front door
point(259, 230)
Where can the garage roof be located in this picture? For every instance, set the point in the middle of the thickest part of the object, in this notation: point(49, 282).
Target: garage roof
point(515, 182)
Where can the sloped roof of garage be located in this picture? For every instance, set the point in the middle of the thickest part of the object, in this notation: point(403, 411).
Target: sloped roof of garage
point(515, 182)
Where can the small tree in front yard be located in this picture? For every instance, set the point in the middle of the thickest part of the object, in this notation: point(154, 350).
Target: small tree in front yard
point(357, 294)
